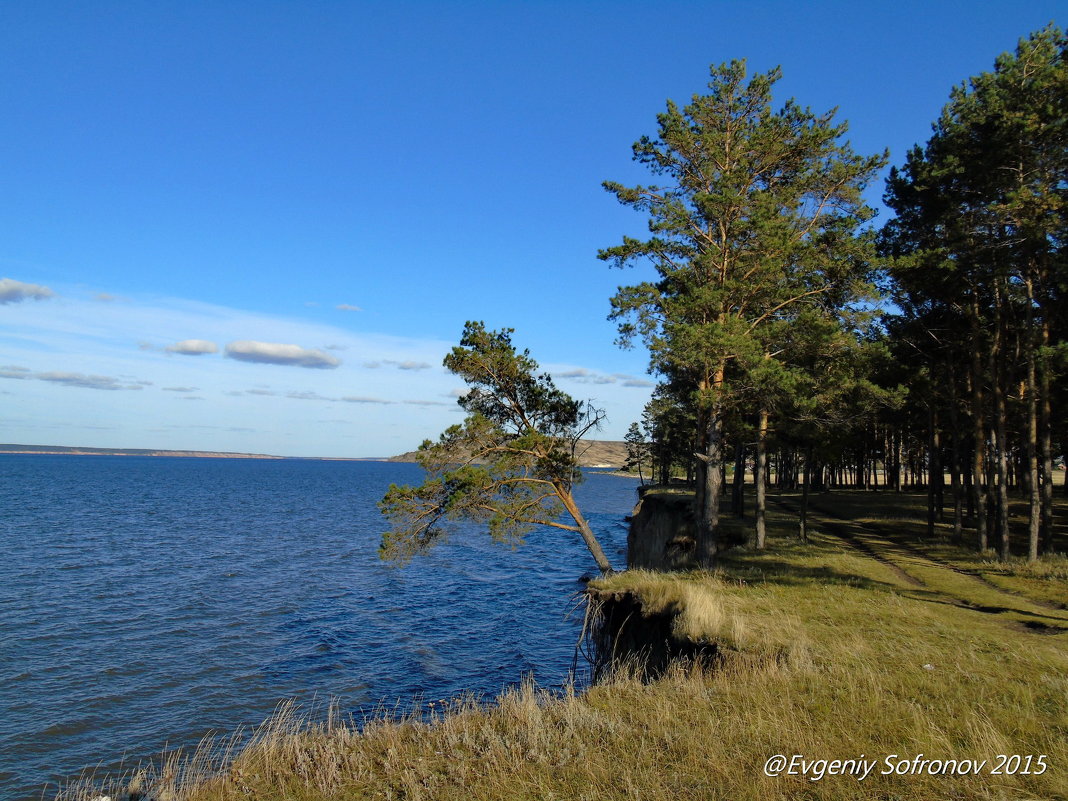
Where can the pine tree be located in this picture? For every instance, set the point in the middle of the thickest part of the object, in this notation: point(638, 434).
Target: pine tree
point(637, 450)
point(755, 221)
point(979, 255)
point(511, 464)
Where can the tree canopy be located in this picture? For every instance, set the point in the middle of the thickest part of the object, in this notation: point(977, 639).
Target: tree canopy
point(754, 224)
point(512, 462)
point(978, 265)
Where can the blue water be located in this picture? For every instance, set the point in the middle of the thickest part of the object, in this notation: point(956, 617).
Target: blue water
point(147, 601)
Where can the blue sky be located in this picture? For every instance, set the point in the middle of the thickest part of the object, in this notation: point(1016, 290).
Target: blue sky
point(260, 226)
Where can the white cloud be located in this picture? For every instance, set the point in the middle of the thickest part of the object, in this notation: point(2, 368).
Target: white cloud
point(179, 389)
point(85, 381)
point(193, 347)
point(247, 350)
point(581, 375)
point(73, 379)
point(347, 307)
point(12, 291)
point(407, 365)
point(385, 402)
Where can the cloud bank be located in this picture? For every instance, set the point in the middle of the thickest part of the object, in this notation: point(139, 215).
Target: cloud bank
point(12, 291)
point(408, 365)
point(583, 376)
point(72, 379)
point(89, 347)
point(580, 375)
point(193, 347)
point(247, 350)
point(387, 402)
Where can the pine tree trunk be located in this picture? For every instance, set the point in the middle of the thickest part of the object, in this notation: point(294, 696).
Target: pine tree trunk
point(978, 430)
point(1001, 455)
point(897, 461)
point(932, 448)
point(738, 490)
point(955, 457)
point(702, 467)
point(1046, 446)
point(802, 515)
point(968, 490)
point(936, 473)
point(1034, 496)
point(708, 522)
point(955, 485)
point(760, 480)
point(875, 460)
point(588, 537)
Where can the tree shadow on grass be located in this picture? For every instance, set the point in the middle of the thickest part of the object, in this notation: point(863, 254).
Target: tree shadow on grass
point(769, 570)
point(1028, 624)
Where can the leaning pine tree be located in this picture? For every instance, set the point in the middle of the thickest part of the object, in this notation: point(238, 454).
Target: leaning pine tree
point(754, 220)
point(511, 464)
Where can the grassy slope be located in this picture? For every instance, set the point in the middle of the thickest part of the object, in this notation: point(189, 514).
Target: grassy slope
point(858, 643)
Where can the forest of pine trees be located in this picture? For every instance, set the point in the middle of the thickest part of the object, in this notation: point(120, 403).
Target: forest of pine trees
point(800, 342)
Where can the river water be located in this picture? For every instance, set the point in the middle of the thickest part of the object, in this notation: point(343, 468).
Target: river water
point(145, 602)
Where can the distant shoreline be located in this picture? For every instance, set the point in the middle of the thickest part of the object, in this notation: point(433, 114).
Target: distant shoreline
point(600, 454)
point(73, 450)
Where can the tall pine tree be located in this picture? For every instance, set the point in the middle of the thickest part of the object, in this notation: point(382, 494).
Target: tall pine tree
point(755, 220)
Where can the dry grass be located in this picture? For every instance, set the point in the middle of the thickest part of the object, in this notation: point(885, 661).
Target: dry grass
point(1050, 568)
point(707, 608)
point(828, 653)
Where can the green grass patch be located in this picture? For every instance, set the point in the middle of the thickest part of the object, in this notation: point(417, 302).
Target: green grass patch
point(901, 518)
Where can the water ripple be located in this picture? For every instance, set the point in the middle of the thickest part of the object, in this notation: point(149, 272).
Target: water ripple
point(145, 602)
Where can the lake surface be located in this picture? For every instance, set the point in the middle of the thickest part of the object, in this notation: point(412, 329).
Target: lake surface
point(147, 601)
